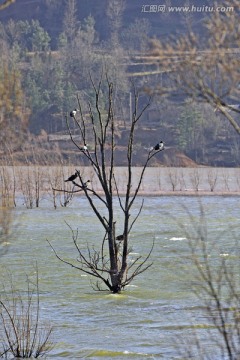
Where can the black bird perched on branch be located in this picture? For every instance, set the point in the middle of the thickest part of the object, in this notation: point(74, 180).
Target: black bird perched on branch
point(159, 146)
point(72, 177)
point(120, 237)
point(73, 112)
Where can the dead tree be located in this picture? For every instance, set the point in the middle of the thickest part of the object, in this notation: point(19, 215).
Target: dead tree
point(109, 264)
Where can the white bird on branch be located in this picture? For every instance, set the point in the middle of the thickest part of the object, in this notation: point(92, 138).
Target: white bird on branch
point(73, 113)
point(84, 148)
point(85, 185)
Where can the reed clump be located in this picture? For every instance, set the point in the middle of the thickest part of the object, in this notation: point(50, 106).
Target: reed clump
point(23, 335)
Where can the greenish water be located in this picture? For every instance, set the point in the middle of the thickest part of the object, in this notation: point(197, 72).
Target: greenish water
point(149, 319)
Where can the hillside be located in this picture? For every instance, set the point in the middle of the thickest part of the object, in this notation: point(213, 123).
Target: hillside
point(51, 47)
point(50, 15)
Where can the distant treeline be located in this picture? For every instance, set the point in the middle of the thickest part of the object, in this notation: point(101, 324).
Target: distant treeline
point(40, 75)
point(50, 71)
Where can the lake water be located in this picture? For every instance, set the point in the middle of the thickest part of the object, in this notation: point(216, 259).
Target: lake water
point(149, 319)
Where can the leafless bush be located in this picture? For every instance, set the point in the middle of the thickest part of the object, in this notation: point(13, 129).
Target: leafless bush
point(195, 179)
point(182, 181)
point(6, 219)
point(159, 182)
point(27, 190)
point(173, 178)
point(225, 175)
point(212, 176)
point(31, 185)
point(217, 288)
point(8, 186)
point(23, 336)
point(37, 183)
point(238, 177)
point(53, 177)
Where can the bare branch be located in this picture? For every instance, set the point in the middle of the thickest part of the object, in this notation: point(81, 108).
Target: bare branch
point(141, 268)
point(137, 216)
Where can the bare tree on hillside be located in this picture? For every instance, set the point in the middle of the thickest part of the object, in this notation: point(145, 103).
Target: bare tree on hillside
point(109, 264)
point(206, 67)
point(70, 23)
point(115, 9)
